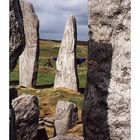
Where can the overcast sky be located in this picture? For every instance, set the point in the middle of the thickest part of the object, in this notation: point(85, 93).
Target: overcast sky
point(53, 15)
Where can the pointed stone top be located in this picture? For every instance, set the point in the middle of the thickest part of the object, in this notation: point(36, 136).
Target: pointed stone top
point(70, 29)
point(66, 75)
point(71, 16)
point(71, 19)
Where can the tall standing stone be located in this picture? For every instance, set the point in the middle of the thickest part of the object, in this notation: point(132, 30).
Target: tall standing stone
point(106, 109)
point(17, 37)
point(27, 116)
point(28, 61)
point(66, 71)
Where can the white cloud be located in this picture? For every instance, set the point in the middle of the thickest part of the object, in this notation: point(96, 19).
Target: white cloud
point(54, 13)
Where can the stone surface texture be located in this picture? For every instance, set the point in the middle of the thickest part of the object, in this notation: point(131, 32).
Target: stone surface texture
point(66, 116)
point(66, 71)
point(106, 109)
point(27, 116)
point(28, 61)
point(67, 138)
point(17, 37)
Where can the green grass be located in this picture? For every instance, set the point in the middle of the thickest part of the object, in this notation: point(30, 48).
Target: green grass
point(46, 75)
point(77, 100)
point(14, 75)
point(45, 78)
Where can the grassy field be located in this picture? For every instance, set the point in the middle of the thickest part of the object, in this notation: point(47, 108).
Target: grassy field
point(46, 75)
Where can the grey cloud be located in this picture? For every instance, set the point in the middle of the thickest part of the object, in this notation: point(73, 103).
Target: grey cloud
point(53, 15)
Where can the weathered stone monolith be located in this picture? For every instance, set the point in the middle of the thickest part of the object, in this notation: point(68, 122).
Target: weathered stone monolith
point(17, 37)
point(28, 61)
point(106, 109)
point(66, 71)
point(66, 116)
point(27, 116)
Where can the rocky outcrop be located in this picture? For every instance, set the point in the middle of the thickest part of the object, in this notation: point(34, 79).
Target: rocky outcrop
point(17, 37)
point(106, 109)
point(66, 71)
point(67, 138)
point(66, 116)
point(28, 61)
point(27, 116)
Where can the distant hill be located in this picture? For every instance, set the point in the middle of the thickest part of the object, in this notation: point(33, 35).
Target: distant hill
point(79, 42)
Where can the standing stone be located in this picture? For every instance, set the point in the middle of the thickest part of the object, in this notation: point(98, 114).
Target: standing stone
point(17, 37)
point(66, 70)
point(28, 61)
point(66, 116)
point(106, 109)
point(13, 94)
point(27, 116)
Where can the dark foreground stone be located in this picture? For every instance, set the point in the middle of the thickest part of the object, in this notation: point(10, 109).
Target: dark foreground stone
point(106, 109)
point(17, 37)
point(27, 116)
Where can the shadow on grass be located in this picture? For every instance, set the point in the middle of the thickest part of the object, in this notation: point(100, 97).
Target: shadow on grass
point(44, 86)
point(81, 90)
point(14, 82)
